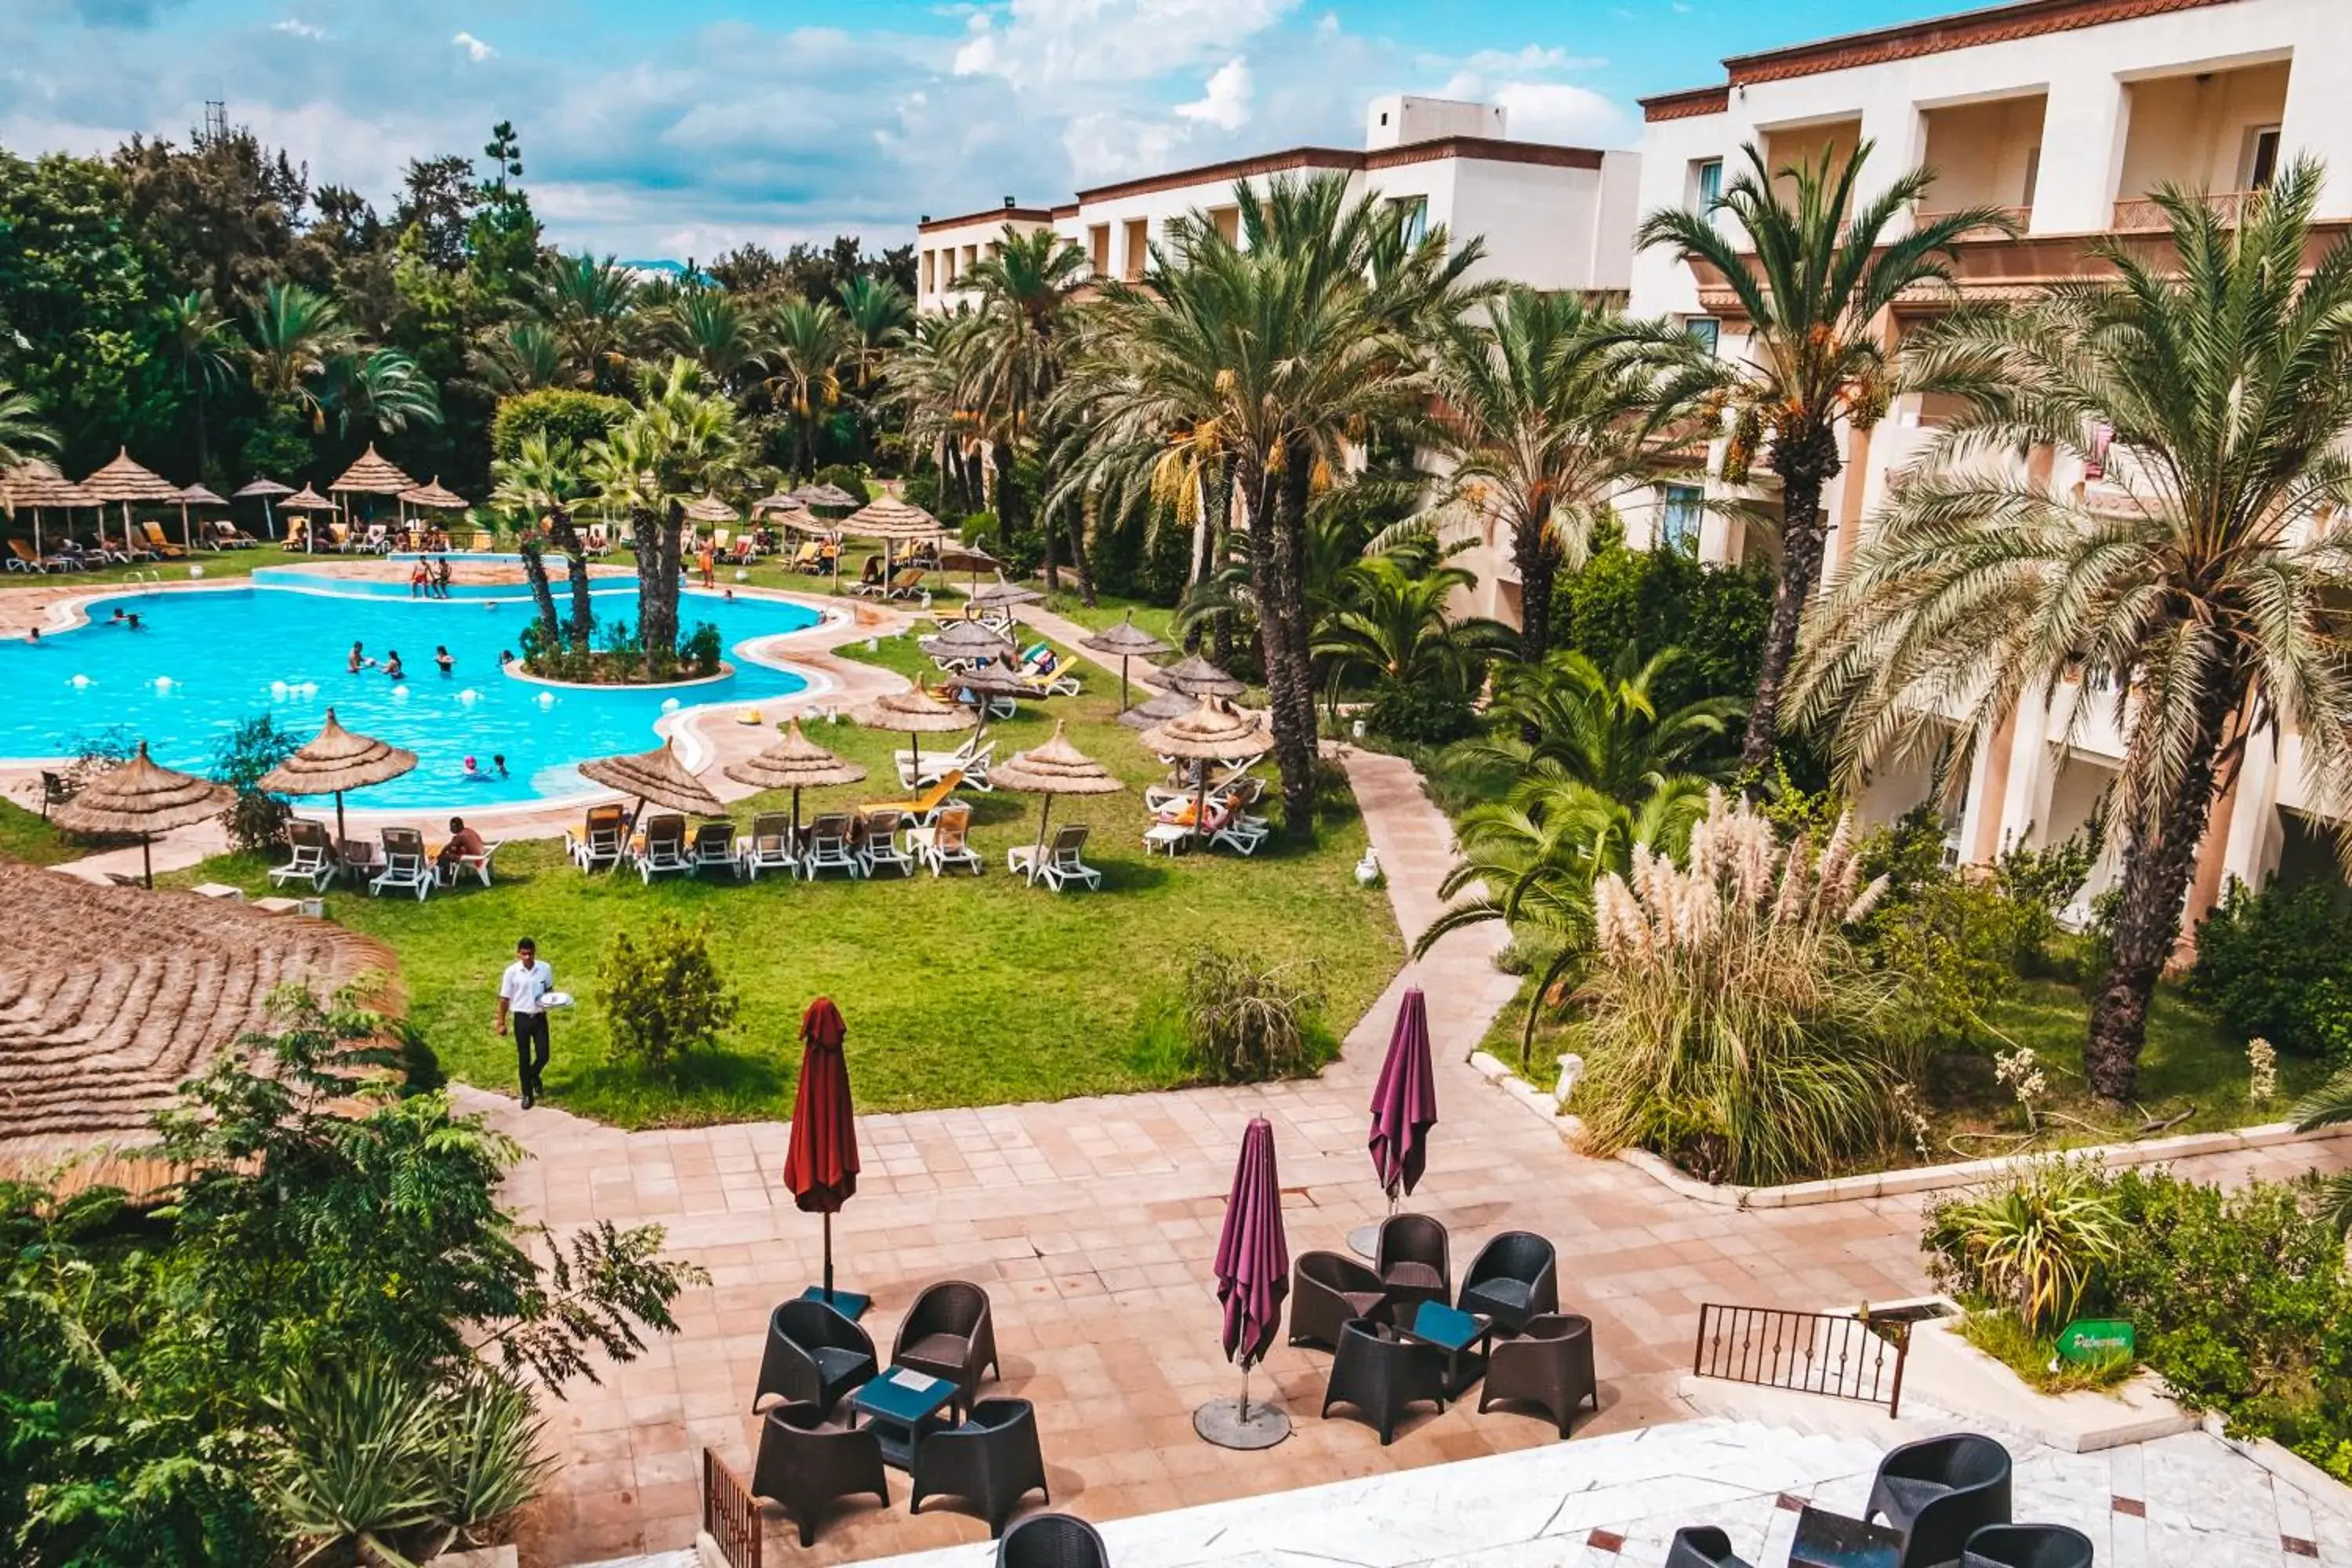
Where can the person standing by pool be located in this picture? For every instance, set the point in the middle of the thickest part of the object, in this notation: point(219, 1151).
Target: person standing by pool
point(359, 659)
point(707, 560)
point(441, 575)
point(522, 993)
point(420, 581)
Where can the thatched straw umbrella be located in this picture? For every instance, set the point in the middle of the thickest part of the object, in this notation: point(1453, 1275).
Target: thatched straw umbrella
point(993, 680)
point(1054, 768)
point(957, 556)
point(657, 776)
point(1196, 677)
point(1123, 642)
point(709, 509)
point(36, 485)
point(966, 638)
point(794, 763)
point(335, 761)
point(307, 500)
point(1006, 596)
point(373, 475)
point(831, 496)
point(1159, 711)
point(1214, 731)
point(265, 489)
point(916, 713)
point(434, 497)
point(145, 797)
point(125, 481)
point(893, 522)
point(194, 495)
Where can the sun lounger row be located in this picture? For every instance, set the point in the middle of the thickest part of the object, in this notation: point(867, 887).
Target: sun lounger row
point(932, 830)
point(404, 864)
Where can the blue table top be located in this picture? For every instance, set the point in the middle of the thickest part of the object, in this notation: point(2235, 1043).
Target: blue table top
point(1439, 1324)
point(905, 1395)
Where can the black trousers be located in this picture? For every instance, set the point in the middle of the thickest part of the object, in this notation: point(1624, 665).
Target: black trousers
point(530, 1048)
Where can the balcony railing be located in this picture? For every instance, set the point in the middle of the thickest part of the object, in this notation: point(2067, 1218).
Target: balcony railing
point(1810, 1353)
point(2018, 216)
point(2144, 216)
point(730, 1515)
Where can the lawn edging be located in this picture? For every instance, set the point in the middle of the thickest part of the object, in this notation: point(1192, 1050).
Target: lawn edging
point(1893, 1183)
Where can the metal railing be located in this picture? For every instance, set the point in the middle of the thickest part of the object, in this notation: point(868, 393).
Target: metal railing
point(1810, 1353)
point(2145, 217)
point(730, 1515)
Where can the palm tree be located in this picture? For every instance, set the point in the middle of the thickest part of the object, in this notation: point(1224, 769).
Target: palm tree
point(1392, 625)
point(1550, 411)
point(928, 380)
point(807, 344)
point(202, 348)
point(519, 357)
point(1815, 285)
point(543, 481)
point(1602, 728)
point(382, 388)
point(22, 430)
point(295, 330)
point(2330, 1105)
point(879, 312)
point(1026, 284)
point(2209, 600)
point(709, 328)
point(590, 305)
point(681, 441)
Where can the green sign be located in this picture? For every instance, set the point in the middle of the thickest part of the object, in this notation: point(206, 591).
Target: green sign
point(2097, 1338)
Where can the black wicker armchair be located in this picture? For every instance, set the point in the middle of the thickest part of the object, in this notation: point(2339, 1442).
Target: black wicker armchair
point(1051, 1540)
point(1703, 1546)
point(804, 1465)
point(1411, 1259)
point(991, 1461)
point(950, 1332)
point(2027, 1546)
point(1328, 1289)
point(1939, 1491)
point(814, 1354)
point(1515, 1277)
point(1378, 1374)
point(1550, 1365)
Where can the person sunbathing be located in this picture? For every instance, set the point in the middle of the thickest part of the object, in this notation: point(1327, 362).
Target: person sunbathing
point(464, 844)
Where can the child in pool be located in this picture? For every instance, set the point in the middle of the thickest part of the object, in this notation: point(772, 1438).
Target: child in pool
point(499, 761)
point(441, 658)
point(474, 774)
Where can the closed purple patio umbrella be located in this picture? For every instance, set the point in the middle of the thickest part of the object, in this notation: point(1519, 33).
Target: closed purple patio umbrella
point(1404, 1108)
point(1253, 1277)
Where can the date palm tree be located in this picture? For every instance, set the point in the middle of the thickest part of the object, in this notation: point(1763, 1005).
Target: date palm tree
point(591, 307)
point(1602, 727)
point(2330, 1105)
point(23, 432)
point(2214, 379)
point(543, 481)
point(807, 344)
point(930, 381)
point(1552, 410)
point(201, 346)
point(378, 388)
point(1028, 286)
point(521, 356)
point(879, 312)
point(295, 332)
point(1815, 276)
point(709, 328)
point(1390, 625)
point(682, 441)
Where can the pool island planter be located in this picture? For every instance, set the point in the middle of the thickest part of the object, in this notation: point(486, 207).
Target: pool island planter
point(1894, 1183)
point(726, 671)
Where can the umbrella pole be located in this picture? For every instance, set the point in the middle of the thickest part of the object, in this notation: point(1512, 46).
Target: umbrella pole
point(828, 1257)
point(1037, 855)
point(1122, 683)
point(268, 524)
point(187, 537)
point(147, 859)
point(340, 834)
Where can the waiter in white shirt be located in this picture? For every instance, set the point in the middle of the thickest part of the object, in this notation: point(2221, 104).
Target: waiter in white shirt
point(523, 996)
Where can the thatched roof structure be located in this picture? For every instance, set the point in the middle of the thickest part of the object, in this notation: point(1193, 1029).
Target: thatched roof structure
point(433, 498)
point(916, 712)
point(196, 495)
point(337, 760)
point(657, 776)
point(374, 475)
point(124, 481)
point(794, 762)
point(1003, 595)
point(1159, 711)
point(822, 495)
point(112, 997)
point(710, 509)
point(892, 520)
point(965, 639)
point(142, 796)
point(264, 488)
point(1055, 767)
point(39, 484)
point(1213, 730)
point(306, 499)
point(1124, 640)
point(1196, 677)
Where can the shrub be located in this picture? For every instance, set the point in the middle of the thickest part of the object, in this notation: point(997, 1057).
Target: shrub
point(1246, 1024)
point(665, 997)
point(852, 479)
point(557, 413)
point(257, 822)
point(1427, 714)
point(1725, 1018)
point(701, 648)
point(2278, 964)
point(2032, 1243)
point(1657, 599)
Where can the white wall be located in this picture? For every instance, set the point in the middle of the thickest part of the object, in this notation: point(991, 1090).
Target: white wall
point(950, 246)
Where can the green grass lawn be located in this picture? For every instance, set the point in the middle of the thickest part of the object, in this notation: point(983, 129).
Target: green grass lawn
point(24, 836)
point(216, 563)
point(958, 992)
point(1108, 609)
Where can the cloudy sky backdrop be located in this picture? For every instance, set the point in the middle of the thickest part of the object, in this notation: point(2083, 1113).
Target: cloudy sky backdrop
point(678, 128)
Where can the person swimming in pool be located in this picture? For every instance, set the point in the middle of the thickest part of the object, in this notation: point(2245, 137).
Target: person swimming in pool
point(119, 616)
point(392, 665)
point(359, 660)
point(499, 761)
point(131, 620)
point(441, 658)
point(474, 774)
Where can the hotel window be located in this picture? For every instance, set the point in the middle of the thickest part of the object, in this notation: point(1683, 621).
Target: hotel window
point(1705, 331)
point(1706, 184)
point(1227, 221)
point(1680, 510)
point(2262, 157)
point(971, 259)
point(1413, 217)
point(930, 272)
point(1138, 239)
point(1098, 248)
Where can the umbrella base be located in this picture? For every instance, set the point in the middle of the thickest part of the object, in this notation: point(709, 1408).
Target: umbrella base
point(848, 1304)
point(1221, 1422)
point(1364, 1241)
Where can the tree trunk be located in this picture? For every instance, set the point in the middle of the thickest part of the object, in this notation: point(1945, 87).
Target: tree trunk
point(1219, 524)
point(1534, 549)
point(583, 608)
point(1806, 462)
point(534, 570)
point(2157, 867)
point(1078, 555)
point(657, 587)
point(1277, 555)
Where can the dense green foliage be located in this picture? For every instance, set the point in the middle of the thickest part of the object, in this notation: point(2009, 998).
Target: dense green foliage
point(558, 414)
point(664, 996)
point(1652, 600)
point(2277, 966)
point(173, 1373)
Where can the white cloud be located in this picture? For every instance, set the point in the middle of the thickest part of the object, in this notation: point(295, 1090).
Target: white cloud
point(475, 50)
point(1557, 112)
point(294, 27)
point(1055, 41)
point(1225, 101)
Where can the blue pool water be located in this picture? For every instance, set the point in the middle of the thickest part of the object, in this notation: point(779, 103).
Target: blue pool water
point(203, 662)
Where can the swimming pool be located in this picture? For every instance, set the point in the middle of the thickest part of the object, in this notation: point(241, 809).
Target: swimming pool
point(202, 662)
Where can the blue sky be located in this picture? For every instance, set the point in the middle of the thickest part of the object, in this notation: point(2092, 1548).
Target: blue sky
point(680, 126)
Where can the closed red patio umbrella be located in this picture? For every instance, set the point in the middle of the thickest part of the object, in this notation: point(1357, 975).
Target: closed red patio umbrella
point(1253, 1272)
point(1404, 1108)
point(820, 1162)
